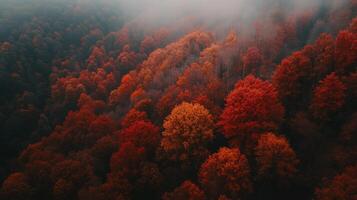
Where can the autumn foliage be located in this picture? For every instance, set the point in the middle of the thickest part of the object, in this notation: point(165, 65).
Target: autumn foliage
point(275, 158)
point(187, 132)
point(251, 108)
point(227, 173)
point(98, 105)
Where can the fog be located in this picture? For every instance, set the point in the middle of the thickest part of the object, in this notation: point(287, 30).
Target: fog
point(228, 11)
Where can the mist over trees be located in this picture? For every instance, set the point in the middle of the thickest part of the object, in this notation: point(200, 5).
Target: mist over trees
point(200, 100)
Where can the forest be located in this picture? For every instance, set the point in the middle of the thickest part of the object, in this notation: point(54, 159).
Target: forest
point(178, 99)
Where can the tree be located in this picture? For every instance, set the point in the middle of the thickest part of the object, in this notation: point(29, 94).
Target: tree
point(141, 134)
point(80, 130)
point(101, 152)
point(329, 97)
point(187, 131)
point(127, 59)
point(345, 53)
point(113, 189)
point(252, 61)
point(132, 116)
point(342, 186)
point(324, 52)
point(127, 160)
point(16, 187)
point(96, 58)
point(38, 173)
point(226, 173)
point(161, 68)
point(154, 41)
point(348, 134)
point(126, 87)
point(186, 191)
point(293, 77)
point(276, 160)
point(130, 163)
point(251, 108)
point(68, 177)
point(198, 83)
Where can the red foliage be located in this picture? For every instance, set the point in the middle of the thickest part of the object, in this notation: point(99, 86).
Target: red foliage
point(161, 64)
point(346, 52)
point(127, 86)
point(292, 77)
point(276, 160)
point(251, 108)
point(324, 52)
point(348, 132)
point(71, 171)
point(198, 83)
point(141, 134)
point(132, 116)
point(116, 125)
point(127, 59)
point(127, 160)
point(154, 41)
point(96, 58)
point(342, 186)
point(85, 102)
point(226, 173)
point(16, 187)
point(67, 90)
point(186, 191)
point(329, 97)
point(252, 61)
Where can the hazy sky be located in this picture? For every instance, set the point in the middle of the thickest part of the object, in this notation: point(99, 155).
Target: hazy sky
point(217, 11)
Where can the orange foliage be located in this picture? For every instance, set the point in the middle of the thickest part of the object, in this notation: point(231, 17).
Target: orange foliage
point(162, 67)
point(187, 131)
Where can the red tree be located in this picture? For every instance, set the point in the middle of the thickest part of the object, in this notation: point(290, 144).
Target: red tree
point(16, 187)
point(292, 77)
point(342, 186)
point(346, 52)
point(252, 61)
point(276, 160)
point(251, 108)
point(141, 134)
point(186, 191)
point(329, 97)
point(226, 173)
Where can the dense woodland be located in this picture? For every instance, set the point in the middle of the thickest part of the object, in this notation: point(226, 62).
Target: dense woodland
point(95, 104)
